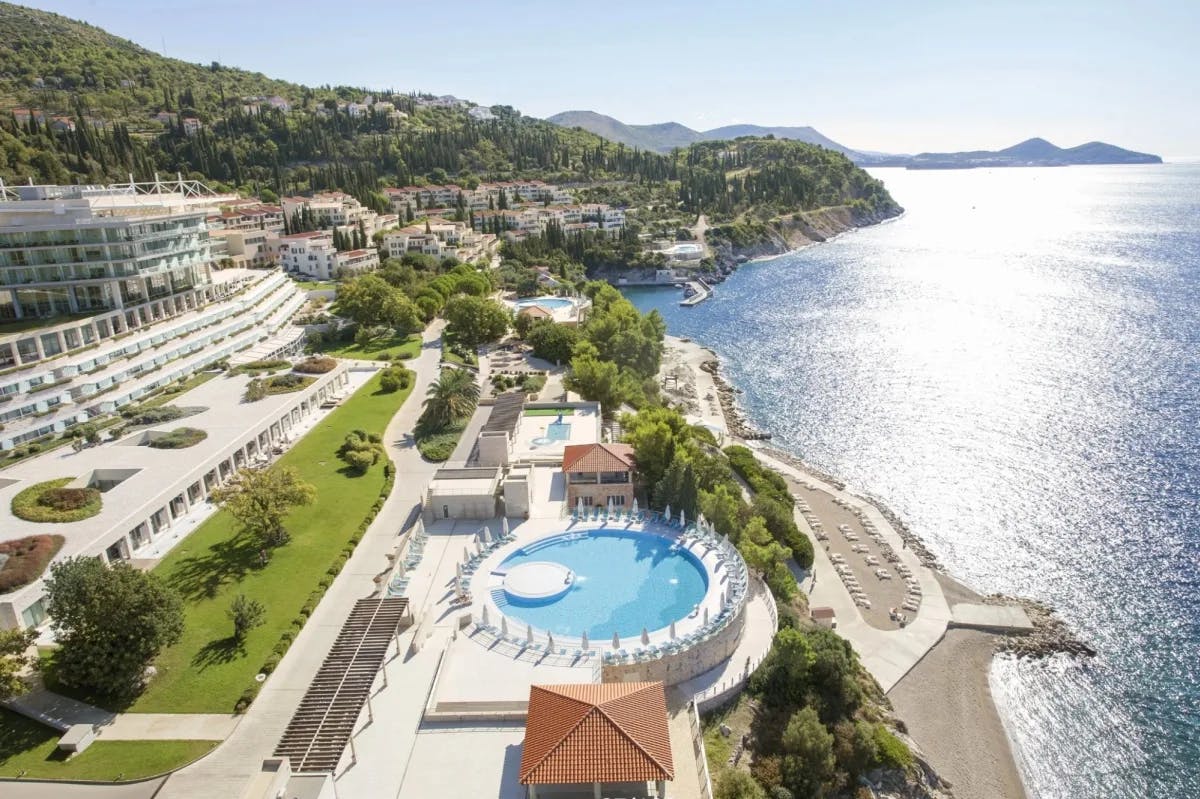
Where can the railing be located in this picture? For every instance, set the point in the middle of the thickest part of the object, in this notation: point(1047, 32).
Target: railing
point(698, 748)
point(715, 695)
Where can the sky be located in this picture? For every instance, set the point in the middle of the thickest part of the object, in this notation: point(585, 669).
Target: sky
point(911, 76)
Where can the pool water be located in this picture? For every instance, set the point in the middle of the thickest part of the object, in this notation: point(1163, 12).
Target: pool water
point(624, 582)
point(558, 431)
point(550, 303)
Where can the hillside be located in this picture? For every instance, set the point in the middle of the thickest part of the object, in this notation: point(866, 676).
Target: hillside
point(659, 138)
point(91, 100)
point(48, 62)
point(666, 136)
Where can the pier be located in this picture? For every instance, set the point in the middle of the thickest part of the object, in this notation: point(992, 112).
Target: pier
point(703, 292)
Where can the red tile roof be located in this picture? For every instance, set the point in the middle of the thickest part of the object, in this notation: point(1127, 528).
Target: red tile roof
point(597, 458)
point(597, 732)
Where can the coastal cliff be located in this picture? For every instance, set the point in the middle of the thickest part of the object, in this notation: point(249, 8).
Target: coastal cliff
point(737, 243)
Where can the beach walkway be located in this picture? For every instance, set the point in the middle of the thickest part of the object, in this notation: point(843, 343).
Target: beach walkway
point(887, 654)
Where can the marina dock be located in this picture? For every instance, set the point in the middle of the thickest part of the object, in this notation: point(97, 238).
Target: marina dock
point(703, 292)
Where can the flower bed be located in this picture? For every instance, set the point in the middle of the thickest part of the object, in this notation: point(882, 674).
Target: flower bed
point(315, 365)
point(182, 438)
point(27, 559)
point(52, 501)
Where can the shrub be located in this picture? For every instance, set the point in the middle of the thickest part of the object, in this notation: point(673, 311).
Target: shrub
point(148, 416)
point(182, 438)
point(284, 384)
point(51, 501)
point(256, 390)
point(66, 498)
point(27, 559)
point(892, 751)
point(316, 365)
point(264, 366)
point(395, 378)
point(246, 699)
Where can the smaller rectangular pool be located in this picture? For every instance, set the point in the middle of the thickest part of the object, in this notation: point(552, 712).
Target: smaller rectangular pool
point(558, 431)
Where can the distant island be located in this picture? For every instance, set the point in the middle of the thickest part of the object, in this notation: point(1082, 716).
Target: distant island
point(1031, 152)
point(666, 136)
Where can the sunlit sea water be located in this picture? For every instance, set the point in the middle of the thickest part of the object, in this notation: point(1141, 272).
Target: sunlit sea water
point(1014, 367)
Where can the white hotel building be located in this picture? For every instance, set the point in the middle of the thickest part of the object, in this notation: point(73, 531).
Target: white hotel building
point(108, 293)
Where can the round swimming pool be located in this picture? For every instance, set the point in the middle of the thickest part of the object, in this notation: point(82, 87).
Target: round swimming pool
point(551, 303)
point(621, 582)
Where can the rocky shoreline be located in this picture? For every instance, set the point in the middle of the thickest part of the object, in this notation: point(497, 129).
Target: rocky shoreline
point(1051, 636)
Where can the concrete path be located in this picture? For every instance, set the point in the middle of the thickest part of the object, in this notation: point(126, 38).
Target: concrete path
point(61, 712)
point(686, 784)
point(887, 654)
point(232, 765)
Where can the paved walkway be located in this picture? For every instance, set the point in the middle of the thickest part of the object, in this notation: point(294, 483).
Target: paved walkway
point(234, 763)
point(887, 654)
point(60, 712)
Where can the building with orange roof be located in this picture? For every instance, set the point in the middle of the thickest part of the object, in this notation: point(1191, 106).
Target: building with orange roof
point(589, 740)
point(597, 473)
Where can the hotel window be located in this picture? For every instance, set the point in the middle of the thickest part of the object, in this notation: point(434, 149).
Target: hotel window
point(587, 501)
point(618, 500)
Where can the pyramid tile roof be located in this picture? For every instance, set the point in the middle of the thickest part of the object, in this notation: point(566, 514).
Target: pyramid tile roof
point(597, 458)
point(598, 732)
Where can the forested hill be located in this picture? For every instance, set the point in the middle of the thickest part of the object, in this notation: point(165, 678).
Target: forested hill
point(80, 105)
point(774, 176)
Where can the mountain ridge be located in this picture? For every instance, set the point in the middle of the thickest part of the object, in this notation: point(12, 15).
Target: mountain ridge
point(1036, 151)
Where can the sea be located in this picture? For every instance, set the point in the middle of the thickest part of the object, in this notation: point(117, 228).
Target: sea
point(1013, 366)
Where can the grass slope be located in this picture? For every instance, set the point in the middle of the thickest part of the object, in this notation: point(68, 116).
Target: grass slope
point(29, 749)
point(395, 348)
point(206, 672)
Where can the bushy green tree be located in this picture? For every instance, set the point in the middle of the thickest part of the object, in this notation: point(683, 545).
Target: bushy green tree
point(361, 450)
point(552, 342)
point(475, 320)
point(14, 660)
point(599, 380)
point(370, 300)
point(260, 499)
point(808, 761)
point(110, 622)
point(733, 783)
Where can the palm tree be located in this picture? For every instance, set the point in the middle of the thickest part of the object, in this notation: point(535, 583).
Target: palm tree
point(454, 396)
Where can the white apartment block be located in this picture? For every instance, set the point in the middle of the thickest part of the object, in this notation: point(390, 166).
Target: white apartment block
point(336, 210)
point(313, 255)
point(443, 240)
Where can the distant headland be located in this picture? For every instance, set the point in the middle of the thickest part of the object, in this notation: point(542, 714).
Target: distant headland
point(1033, 152)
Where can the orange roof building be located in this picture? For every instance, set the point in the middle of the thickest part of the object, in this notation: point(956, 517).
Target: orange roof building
point(597, 739)
point(599, 474)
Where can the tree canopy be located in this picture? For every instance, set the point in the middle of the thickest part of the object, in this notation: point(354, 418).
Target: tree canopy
point(260, 499)
point(472, 321)
point(110, 622)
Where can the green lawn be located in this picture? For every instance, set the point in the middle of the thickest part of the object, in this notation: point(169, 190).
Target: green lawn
point(549, 411)
point(399, 347)
point(28, 749)
point(206, 672)
point(317, 285)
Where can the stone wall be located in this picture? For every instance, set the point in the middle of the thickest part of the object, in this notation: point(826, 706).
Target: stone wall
point(678, 667)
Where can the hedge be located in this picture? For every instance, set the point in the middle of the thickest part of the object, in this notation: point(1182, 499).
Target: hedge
point(51, 501)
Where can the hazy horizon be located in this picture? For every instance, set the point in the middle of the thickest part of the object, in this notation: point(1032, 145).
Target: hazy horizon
point(922, 76)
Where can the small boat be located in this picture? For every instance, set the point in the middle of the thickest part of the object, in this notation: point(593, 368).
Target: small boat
point(678, 285)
